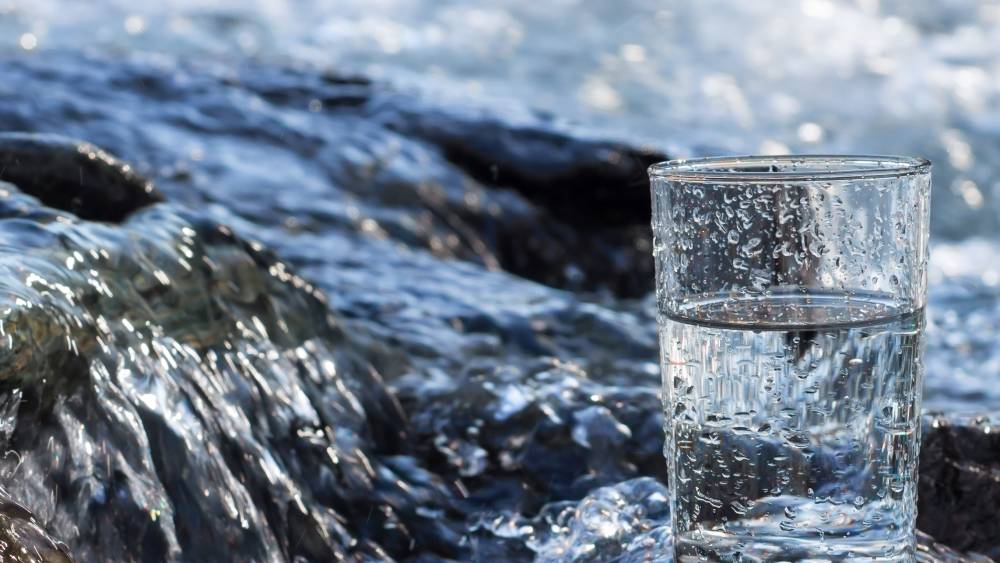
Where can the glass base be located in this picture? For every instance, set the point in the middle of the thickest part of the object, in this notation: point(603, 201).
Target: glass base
point(703, 547)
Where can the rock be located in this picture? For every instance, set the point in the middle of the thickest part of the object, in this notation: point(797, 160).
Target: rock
point(22, 538)
point(75, 175)
point(213, 405)
point(596, 189)
point(959, 495)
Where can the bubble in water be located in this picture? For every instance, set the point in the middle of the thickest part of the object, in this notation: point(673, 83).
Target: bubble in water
point(733, 237)
point(859, 501)
point(790, 512)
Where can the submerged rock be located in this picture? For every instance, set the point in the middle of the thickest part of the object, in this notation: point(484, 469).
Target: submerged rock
point(22, 537)
point(186, 392)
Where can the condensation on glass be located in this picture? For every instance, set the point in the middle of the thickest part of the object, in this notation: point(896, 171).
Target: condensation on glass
point(790, 294)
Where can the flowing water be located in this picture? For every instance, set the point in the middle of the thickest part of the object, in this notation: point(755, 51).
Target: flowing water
point(793, 439)
point(199, 435)
point(515, 395)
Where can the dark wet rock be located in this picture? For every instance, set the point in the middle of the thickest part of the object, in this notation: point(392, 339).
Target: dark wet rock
point(959, 497)
point(25, 542)
point(595, 193)
point(536, 201)
point(587, 184)
point(22, 537)
point(75, 176)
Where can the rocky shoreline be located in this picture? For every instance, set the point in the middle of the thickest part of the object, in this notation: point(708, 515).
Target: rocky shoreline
point(328, 343)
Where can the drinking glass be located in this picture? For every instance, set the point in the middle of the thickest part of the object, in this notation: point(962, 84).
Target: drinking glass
point(790, 304)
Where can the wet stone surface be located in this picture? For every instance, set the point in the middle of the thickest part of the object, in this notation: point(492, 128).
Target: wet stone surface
point(74, 175)
point(960, 481)
point(323, 346)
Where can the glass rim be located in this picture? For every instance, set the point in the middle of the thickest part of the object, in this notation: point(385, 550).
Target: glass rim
point(725, 169)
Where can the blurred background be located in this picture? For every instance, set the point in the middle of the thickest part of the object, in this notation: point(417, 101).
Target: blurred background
point(689, 78)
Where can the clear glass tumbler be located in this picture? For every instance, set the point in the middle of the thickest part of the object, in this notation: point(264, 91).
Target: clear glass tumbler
point(790, 294)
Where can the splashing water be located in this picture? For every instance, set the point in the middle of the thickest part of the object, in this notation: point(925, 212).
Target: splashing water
point(157, 366)
point(224, 434)
point(628, 523)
